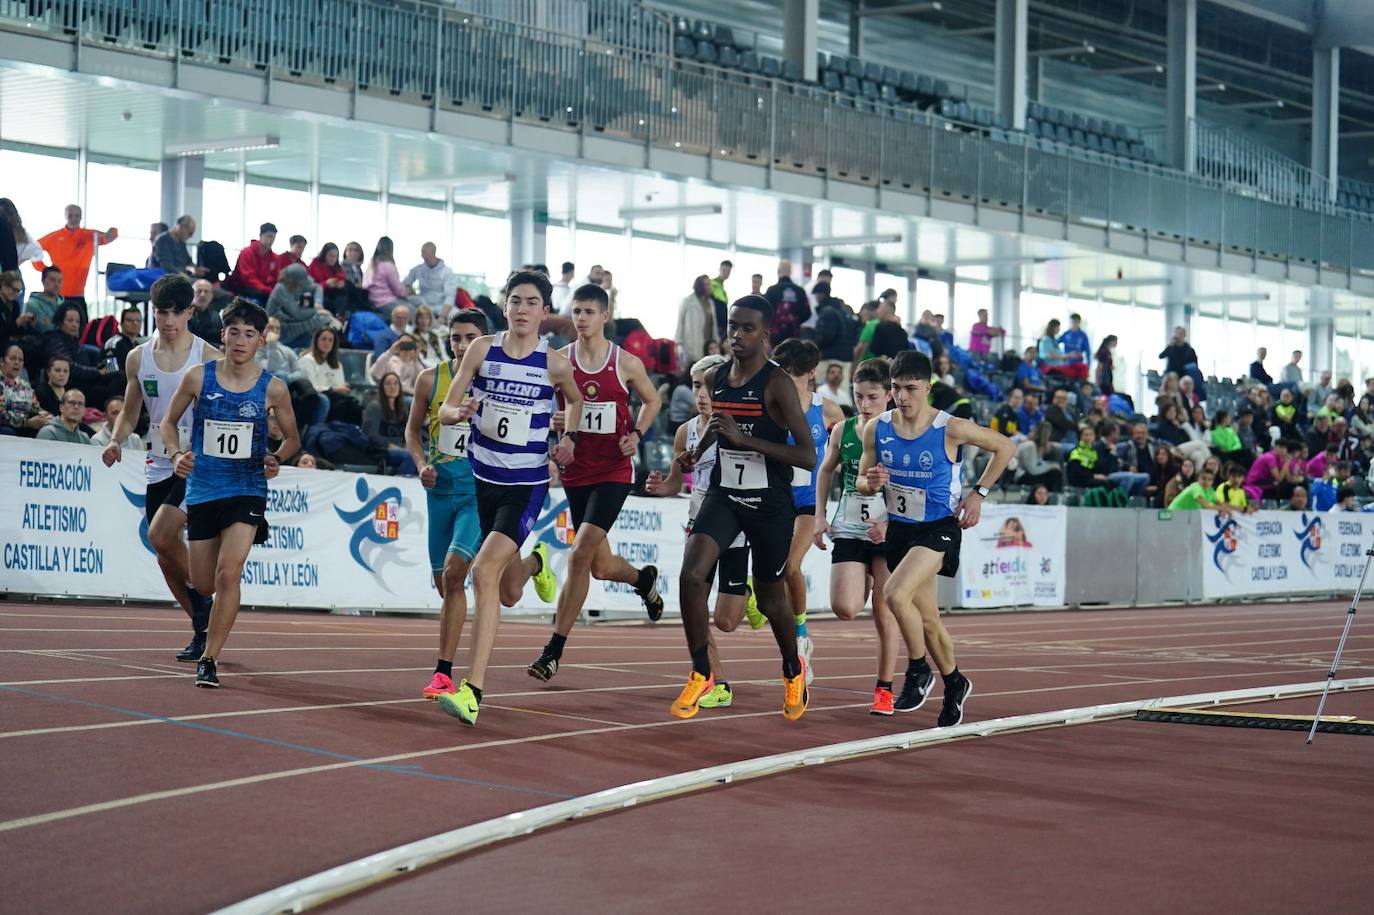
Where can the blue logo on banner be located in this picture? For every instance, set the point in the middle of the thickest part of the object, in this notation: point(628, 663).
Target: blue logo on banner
point(139, 501)
point(1309, 538)
point(376, 523)
point(1225, 539)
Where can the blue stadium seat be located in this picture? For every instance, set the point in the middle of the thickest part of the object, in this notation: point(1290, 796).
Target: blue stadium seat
point(949, 108)
point(1032, 127)
point(873, 72)
point(703, 30)
point(925, 86)
point(1035, 110)
point(749, 62)
point(770, 67)
point(1079, 122)
point(1063, 134)
point(855, 67)
point(888, 93)
point(832, 81)
point(684, 48)
point(791, 70)
point(870, 89)
point(909, 83)
point(822, 62)
point(941, 89)
point(724, 37)
point(1079, 138)
point(892, 77)
point(1094, 142)
point(1046, 130)
point(706, 52)
point(729, 57)
point(853, 86)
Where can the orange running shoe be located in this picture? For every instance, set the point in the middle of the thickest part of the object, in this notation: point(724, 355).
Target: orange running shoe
point(688, 701)
point(795, 697)
point(882, 702)
point(441, 684)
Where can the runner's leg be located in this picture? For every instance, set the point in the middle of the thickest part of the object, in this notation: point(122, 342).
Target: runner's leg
point(848, 581)
point(164, 533)
point(234, 542)
point(492, 573)
point(889, 634)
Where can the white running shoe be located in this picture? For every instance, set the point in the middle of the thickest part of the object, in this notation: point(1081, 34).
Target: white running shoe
point(805, 648)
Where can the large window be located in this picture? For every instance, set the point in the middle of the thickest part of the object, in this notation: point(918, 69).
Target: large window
point(410, 227)
point(345, 219)
point(481, 248)
point(222, 216)
point(642, 291)
point(124, 197)
point(288, 210)
point(847, 283)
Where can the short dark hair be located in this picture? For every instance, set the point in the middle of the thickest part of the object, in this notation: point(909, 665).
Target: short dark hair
point(1347, 466)
point(569, 266)
point(297, 239)
point(727, 264)
point(1333, 448)
point(1289, 444)
point(470, 316)
point(172, 292)
point(542, 268)
point(590, 292)
point(47, 271)
point(797, 357)
point(245, 311)
point(1105, 428)
point(756, 303)
point(1076, 317)
point(111, 399)
point(821, 287)
point(539, 281)
point(161, 227)
point(825, 271)
point(1345, 492)
point(911, 363)
point(132, 309)
point(267, 227)
point(1234, 470)
point(874, 371)
point(1220, 416)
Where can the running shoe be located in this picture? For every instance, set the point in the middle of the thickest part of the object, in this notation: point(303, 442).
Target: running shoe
point(192, 652)
point(882, 702)
point(952, 712)
point(544, 668)
point(751, 607)
point(207, 674)
point(438, 686)
point(200, 610)
point(688, 702)
point(719, 697)
point(805, 648)
point(652, 596)
point(545, 583)
point(915, 691)
point(795, 696)
point(461, 704)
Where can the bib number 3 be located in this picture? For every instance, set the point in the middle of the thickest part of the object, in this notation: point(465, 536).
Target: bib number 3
point(228, 440)
point(906, 502)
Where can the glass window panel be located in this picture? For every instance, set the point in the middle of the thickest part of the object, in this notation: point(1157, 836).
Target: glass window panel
point(848, 284)
point(1346, 358)
point(127, 198)
point(346, 219)
point(222, 216)
point(41, 187)
point(640, 283)
point(558, 247)
point(968, 298)
point(747, 263)
point(288, 210)
point(609, 249)
point(410, 227)
point(481, 251)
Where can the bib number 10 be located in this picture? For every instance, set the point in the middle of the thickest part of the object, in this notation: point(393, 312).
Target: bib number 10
point(229, 440)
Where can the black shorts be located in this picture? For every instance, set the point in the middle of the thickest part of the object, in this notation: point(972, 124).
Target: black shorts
point(764, 516)
point(598, 505)
point(509, 510)
point(943, 536)
point(847, 549)
point(171, 491)
point(208, 520)
point(807, 509)
point(734, 571)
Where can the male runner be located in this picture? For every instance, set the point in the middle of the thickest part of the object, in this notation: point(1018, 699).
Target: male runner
point(598, 481)
point(799, 358)
point(915, 453)
point(228, 465)
point(858, 528)
point(513, 376)
point(754, 408)
point(155, 369)
point(734, 595)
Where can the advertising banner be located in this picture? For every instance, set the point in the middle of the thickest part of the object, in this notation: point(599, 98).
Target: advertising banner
point(1014, 557)
point(1283, 552)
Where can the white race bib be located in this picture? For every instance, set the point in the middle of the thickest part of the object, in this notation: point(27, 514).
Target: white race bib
point(158, 447)
point(742, 469)
point(801, 477)
point(505, 422)
point(229, 440)
point(598, 418)
point(453, 440)
point(906, 502)
point(861, 510)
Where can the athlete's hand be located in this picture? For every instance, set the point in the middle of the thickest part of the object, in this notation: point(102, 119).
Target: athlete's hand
point(185, 463)
point(653, 482)
point(877, 532)
point(629, 444)
point(563, 451)
point(559, 422)
point(725, 427)
point(686, 461)
point(271, 466)
point(818, 535)
point(467, 409)
point(970, 510)
point(112, 454)
point(428, 476)
point(876, 477)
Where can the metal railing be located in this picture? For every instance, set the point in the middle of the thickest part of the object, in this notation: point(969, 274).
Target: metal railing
point(459, 61)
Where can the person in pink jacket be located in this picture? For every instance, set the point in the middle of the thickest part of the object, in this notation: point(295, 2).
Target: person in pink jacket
point(383, 280)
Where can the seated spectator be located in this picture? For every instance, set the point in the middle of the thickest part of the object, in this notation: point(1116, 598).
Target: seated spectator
point(275, 357)
point(326, 376)
point(1135, 454)
point(52, 387)
point(66, 427)
point(130, 335)
point(1267, 477)
point(402, 359)
point(1005, 419)
point(1226, 442)
point(1028, 377)
point(400, 324)
point(1316, 467)
point(13, 325)
point(383, 281)
point(255, 272)
point(329, 275)
point(43, 304)
point(88, 371)
point(1136, 483)
point(1106, 362)
point(1321, 434)
point(1169, 387)
point(205, 321)
point(1034, 468)
point(1186, 476)
point(434, 283)
point(20, 413)
point(1232, 491)
point(1297, 501)
point(384, 422)
point(1163, 468)
point(1061, 418)
point(300, 317)
point(1030, 415)
point(1166, 426)
point(293, 254)
point(1083, 470)
point(1345, 500)
point(1199, 494)
point(307, 461)
point(1363, 455)
point(170, 252)
point(113, 407)
point(1187, 392)
point(352, 264)
point(1039, 495)
point(1245, 431)
point(1053, 360)
point(982, 334)
point(943, 372)
point(430, 350)
point(1285, 415)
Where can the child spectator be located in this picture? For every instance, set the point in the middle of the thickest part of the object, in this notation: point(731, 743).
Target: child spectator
point(1198, 494)
point(1232, 491)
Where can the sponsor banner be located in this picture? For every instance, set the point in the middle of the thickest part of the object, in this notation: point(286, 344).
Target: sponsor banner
point(1014, 557)
point(1283, 552)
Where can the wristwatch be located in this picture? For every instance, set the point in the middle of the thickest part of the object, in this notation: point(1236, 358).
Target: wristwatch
point(571, 435)
point(982, 491)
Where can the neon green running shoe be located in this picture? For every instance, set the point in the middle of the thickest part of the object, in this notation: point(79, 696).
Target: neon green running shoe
point(545, 583)
point(718, 697)
point(751, 609)
point(461, 705)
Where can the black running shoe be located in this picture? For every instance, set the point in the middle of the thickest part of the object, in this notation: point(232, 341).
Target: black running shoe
point(915, 692)
point(207, 675)
point(544, 668)
point(192, 652)
point(953, 710)
point(653, 600)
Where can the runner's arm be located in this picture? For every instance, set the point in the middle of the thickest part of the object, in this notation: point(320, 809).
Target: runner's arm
point(133, 406)
point(415, 421)
point(869, 461)
point(632, 368)
point(831, 413)
point(561, 376)
point(185, 396)
point(670, 485)
point(279, 401)
point(967, 432)
point(824, 478)
point(457, 391)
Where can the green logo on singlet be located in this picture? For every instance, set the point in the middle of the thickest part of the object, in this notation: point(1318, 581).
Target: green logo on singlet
point(150, 387)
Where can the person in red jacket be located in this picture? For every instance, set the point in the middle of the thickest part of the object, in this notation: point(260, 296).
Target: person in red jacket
point(293, 255)
point(255, 273)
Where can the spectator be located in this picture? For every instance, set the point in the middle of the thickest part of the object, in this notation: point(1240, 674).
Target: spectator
point(12, 323)
point(1053, 361)
point(1162, 470)
point(67, 426)
point(64, 340)
point(682, 404)
point(383, 281)
point(596, 276)
point(1059, 415)
point(26, 249)
point(71, 249)
point(925, 331)
point(1074, 340)
point(696, 323)
point(113, 407)
point(434, 283)
point(294, 254)
point(205, 321)
point(1257, 370)
point(945, 337)
point(1321, 434)
point(300, 316)
point(833, 386)
point(154, 230)
point(836, 331)
point(756, 284)
point(52, 387)
point(276, 358)
point(889, 337)
point(1345, 500)
point(384, 424)
point(430, 350)
point(1034, 468)
point(130, 335)
point(401, 359)
point(1135, 454)
point(1285, 414)
point(1181, 359)
point(1231, 492)
point(1267, 477)
point(1321, 494)
point(1327, 457)
point(353, 264)
point(1106, 364)
point(1166, 425)
point(1039, 495)
point(1226, 442)
point(1028, 377)
point(868, 323)
point(943, 372)
point(609, 285)
point(384, 338)
point(20, 413)
point(1004, 420)
point(340, 296)
point(306, 461)
point(790, 306)
point(1196, 425)
point(1297, 501)
point(1083, 470)
point(43, 304)
point(325, 374)
point(1030, 415)
point(982, 334)
point(1321, 391)
point(563, 290)
point(1199, 494)
point(170, 252)
point(255, 272)
point(1292, 373)
point(721, 298)
point(1186, 476)
point(1136, 483)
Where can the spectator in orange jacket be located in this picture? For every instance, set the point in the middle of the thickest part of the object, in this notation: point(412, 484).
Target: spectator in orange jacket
point(72, 248)
point(255, 273)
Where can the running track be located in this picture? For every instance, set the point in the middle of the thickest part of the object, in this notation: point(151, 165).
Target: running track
point(126, 789)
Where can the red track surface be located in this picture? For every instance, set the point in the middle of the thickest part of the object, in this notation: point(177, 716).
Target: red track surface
point(171, 799)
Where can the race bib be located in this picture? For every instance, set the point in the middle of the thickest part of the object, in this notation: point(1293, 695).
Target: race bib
point(906, 502)
point(861, 510)
point(598, 418)
point(801, 477)
point(229, 440)
point(505, 422)
point(158, 447)
point(453, 440)
point(742, 469)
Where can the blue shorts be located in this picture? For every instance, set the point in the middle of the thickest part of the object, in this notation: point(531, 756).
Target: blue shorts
point(453, 527)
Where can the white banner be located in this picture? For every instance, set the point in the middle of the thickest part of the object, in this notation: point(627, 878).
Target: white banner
point(1283, 552)
point(1015, 557)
